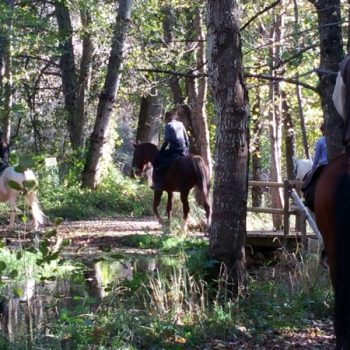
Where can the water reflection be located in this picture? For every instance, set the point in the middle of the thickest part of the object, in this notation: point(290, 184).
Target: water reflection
point(26, 318)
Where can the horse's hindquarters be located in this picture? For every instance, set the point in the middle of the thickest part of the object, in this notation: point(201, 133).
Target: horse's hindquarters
point(332, 209)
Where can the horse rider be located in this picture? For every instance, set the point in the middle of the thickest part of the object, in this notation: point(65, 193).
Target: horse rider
point(175, 145)
point(320, 155)
point(341, 97)
point(319, 161)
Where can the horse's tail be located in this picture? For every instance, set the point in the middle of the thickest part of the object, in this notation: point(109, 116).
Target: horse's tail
point(342, 262)
point(37, 213)
point(33, 202)
point(203, 181)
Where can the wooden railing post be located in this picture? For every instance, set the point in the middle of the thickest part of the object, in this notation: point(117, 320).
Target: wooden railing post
point(286, 193)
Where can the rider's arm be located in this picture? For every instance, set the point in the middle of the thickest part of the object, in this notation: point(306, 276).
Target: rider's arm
point(166, 137)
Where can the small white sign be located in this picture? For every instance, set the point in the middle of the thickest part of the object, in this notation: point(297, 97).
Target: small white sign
point(49, 162)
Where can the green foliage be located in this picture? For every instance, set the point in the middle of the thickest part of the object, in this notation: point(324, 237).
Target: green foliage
point(116, 195)
point(170, 310)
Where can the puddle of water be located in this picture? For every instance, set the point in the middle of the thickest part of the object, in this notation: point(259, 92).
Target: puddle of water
point(27, 319)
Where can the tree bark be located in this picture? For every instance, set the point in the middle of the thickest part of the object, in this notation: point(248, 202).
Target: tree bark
point(298, 87)
point(150, 118)
point(67, 67)
point(78, 132)
point(108, 96)
point(6, 78)
point(331, 53)
point(302, 122)
point(197, 93)
point(227, 231)
point(275, 123)
point(289, 136)
point(169, 22)
point(258, 127)
point(75, 88)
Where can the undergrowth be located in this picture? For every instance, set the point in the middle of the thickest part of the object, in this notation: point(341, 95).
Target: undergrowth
point(175, 308)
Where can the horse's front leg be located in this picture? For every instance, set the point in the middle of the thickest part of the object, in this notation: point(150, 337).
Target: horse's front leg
point(169, 206)
point(13, 210)
point(186, 208)
point(156, 200)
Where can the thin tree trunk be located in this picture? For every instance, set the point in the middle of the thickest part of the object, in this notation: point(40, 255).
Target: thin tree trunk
point(298, 88)
point(289, 137)
point(331, 53)
point(302, 122)
point(78, 126)
point(169, 22)
point(227, 231)
point(258, 127)
point(68, 69)
point(276, 125)
point(75, 89)
point(108, 96)
point(197, 89)
point(6, 57)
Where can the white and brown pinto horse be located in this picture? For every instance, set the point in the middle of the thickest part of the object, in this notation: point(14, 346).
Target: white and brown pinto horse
point(301, 167)
point(14, 183)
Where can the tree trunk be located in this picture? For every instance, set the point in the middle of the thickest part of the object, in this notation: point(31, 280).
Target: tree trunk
point(67, 67)
point(275, 125)
point(74, 88)
point(197, 93)
point(289, 137)
point(258, 127)
point(108, 96)
point(6, 78)
point(331, 53)
point(78, 132)
point(227, 231)
point(302, 122)
point(298, 87)
point(169, 22)
point(150, 118)
point(148, 128)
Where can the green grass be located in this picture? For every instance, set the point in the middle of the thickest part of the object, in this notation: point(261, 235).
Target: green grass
point(170, 309)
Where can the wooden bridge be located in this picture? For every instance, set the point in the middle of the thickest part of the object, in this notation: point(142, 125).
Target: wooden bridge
point(288, 236)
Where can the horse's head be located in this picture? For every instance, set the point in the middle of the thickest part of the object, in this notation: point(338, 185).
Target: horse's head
point(143, 154)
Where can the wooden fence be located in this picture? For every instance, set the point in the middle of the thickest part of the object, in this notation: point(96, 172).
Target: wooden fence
point(292, 206)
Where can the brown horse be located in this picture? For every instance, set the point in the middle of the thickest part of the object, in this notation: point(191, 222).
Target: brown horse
point(182, 175)
point(332, 210)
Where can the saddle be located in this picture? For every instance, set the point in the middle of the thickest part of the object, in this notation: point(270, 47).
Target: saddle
point(161, 166)
point(309, 186)
point(167, 159)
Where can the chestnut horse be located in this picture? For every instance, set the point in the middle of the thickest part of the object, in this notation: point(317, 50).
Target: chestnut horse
point(332, 210)
point(183, 174)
